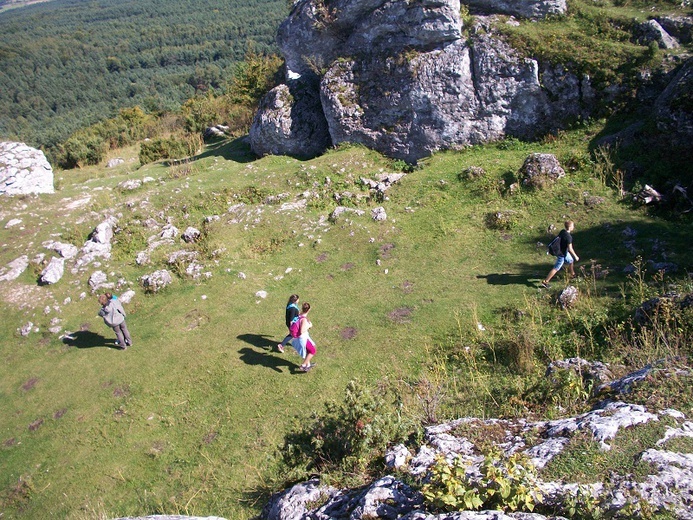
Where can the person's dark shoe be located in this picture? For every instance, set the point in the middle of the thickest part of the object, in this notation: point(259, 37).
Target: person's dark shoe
point(545, 285)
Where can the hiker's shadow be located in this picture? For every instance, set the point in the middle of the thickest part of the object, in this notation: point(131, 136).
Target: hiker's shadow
point(88, 339)
point(258, 340)
point(507, 279)
point(266, 357)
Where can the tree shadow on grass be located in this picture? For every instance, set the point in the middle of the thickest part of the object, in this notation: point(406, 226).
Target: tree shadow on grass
point(237, 150)
point(88, 339)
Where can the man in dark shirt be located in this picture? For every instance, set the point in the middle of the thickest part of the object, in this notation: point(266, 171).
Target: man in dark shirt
point(567, 256)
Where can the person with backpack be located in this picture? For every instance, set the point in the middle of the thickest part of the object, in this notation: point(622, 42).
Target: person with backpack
point(113, 315)
point(291, 315)
point(304, 344)
point(566, 254)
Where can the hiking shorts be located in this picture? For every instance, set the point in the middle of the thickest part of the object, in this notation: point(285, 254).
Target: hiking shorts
point(561, 259)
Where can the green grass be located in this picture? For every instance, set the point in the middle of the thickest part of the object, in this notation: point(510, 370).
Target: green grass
point(189, 419)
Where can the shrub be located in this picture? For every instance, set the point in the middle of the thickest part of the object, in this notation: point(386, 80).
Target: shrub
point(348, 437)
point(507, 483)
point(171, 148)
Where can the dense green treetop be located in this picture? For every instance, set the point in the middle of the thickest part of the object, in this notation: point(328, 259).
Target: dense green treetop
point(65, 64)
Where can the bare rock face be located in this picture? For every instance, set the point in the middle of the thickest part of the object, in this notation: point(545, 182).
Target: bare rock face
point(399, 77)
point(521, 8)
point(24, 170)
point(674, 107)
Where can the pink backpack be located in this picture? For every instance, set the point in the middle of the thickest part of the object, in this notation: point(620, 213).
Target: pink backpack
point(295, 326)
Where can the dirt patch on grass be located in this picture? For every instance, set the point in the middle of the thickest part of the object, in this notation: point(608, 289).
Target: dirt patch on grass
point(121, 391)
point(29, 384)
point(9, 442)
point(348, 333)
point(407, 286)
point(22, 296)
point(35, 425)
point(401, 315)
point(209, 438)
point(195, 319)
point(321, 258)
point(59, 413)
point(348, 266)
point(385, 250)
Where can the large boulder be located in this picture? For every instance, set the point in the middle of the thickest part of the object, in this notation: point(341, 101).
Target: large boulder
point(24, 170)
point(399, 77)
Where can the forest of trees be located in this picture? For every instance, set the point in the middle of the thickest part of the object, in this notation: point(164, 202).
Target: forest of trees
point(66, 64)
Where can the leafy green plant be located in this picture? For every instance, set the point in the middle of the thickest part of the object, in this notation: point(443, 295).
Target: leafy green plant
point(507, 483)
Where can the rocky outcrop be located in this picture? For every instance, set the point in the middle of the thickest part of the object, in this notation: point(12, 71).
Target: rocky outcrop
point(669, 485)
point(401, 78)
point(522, 8)
point(24, 170)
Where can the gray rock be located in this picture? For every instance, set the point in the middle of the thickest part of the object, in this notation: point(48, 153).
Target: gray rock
point(130, 184)
point(54, 271)
point(651, 31)
point(399, 77)
point(127, 296)
point(24, 170)
point(13, 222)
point(26, 329)
point(290, 121)
point(97, 280)
point(14, 269)
point(65, 250)
point(339, 211)
point(680, 27)
point(540, 170)
point(378, 214)
point(521, 8)
point(112, 163)
point(191, 234)
point(169, 231)
point(156, 281)
point(672, 108)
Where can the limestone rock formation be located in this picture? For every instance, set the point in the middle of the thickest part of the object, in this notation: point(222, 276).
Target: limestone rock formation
point(401, 78)
point(24, 170)
point(667, 486)
point(522, 8)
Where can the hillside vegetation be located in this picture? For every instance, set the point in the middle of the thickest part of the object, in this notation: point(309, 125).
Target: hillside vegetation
point(431, 303)
point(434, 313)
point(66, 64)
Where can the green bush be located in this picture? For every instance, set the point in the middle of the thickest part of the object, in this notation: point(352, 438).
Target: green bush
point(348, 438)
point(171, 148)
point(507, 483)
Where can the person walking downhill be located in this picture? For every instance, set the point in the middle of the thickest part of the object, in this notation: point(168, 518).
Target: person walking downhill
point(304, 343)
point(113, 315)
point(292, 313)
point(567, 254)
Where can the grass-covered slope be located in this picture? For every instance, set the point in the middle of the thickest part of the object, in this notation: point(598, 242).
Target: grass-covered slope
point(188, 420)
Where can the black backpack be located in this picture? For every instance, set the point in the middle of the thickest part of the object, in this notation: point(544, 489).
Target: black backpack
point(554, 248)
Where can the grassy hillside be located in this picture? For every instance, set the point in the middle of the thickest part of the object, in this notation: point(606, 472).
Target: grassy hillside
point(189, 420)
point(66, 64)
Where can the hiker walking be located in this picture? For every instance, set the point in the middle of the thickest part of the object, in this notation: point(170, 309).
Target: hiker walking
point(113, 315)
point(304, 344)
point(566, 255)
point(292, 313)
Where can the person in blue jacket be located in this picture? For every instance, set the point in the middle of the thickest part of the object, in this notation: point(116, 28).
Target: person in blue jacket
point(292, 312)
